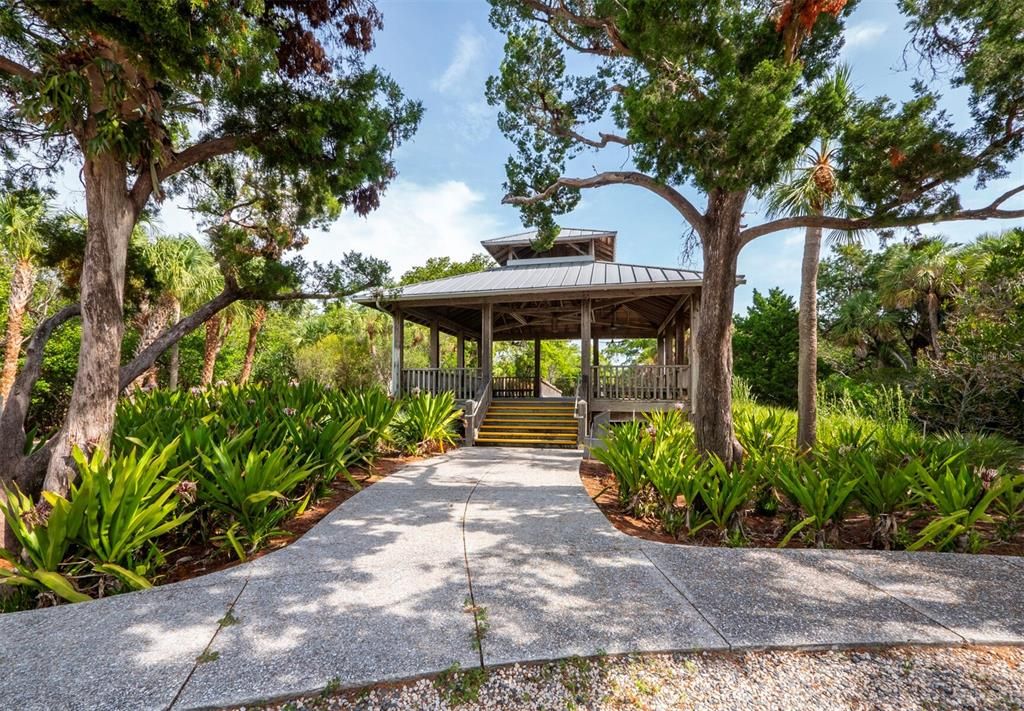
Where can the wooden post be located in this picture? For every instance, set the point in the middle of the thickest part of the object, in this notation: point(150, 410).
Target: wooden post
point(694, 362)
point(597, 351)
point(486, 340)
point(586, 370)
point(680, 339)
point(397, 351)
point(536, 367)
point(435, 345)
point(460, 350)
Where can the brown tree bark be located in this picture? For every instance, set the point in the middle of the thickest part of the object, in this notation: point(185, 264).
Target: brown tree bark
point(174, 366)
point(22, 279)
point(933, 323)
point(259, 317)
point(217, 329)
point(90, 418)
point(721, 247)
point(151, 323)
point(807, 366)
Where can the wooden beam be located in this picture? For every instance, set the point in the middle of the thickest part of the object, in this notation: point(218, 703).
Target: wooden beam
point(460, 350)
point(587, 375)
point(672, 314)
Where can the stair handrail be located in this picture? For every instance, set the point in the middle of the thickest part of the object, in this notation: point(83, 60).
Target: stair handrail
point(580, 411)
point(473, 414)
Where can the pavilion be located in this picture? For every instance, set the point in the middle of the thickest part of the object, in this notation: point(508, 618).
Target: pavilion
point(575, 290)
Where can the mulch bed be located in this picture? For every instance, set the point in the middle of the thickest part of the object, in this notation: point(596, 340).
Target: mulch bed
point(762, 531)
point(194, 560)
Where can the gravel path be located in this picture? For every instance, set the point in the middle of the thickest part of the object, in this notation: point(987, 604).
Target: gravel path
point(982, 678)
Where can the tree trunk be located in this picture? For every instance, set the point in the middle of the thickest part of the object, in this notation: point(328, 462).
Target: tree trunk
point(151, 323)
point(211, 346)
point(22, 279)
point(721, 246)
point(175, 365)
point(90, 417)
point(933, 323)
point(807, 368)
point(255, 326)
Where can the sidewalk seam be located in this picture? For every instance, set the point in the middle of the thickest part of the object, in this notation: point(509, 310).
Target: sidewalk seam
point(195, 665)
point(850, 571)
point(687, 598)
point(469, 574)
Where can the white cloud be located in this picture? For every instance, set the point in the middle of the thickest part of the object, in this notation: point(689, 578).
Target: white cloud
point(468, 51)
point(864, 34)
point(414, 222)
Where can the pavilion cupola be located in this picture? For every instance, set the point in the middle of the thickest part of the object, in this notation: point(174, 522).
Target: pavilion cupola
point(571, 245)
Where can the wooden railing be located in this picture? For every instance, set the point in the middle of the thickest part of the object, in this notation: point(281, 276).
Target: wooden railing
point(512, 387)
point(464, 382)
point(475, 411)
point(641, 382)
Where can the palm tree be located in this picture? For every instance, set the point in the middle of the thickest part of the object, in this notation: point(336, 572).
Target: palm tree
point(19, 242)
point(188, 275)
point(925, 273)
point(868, 328)
point(811, 188)
point(218, 328)
point(256, 315)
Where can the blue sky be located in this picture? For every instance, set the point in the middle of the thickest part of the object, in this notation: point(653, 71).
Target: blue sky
point(448, 194)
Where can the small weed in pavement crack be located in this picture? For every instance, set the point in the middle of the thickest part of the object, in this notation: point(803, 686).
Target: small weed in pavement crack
point(458, 686)
point(481, 624)
point(227, 620)
point(208, 655)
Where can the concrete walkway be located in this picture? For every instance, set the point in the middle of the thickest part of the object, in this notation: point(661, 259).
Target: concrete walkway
point(379, 590)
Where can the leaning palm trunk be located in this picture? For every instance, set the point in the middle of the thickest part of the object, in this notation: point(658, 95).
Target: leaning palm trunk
point(22, 280)
point(217, 330)
point(933, 323)
point(255, 326)
point(807, 367)
point(175, 359)
point(152, 323)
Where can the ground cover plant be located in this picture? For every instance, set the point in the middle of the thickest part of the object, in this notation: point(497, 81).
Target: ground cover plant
point(875, 482)
point(217, 470)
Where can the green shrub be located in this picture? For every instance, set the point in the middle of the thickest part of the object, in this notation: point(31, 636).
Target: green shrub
point(960, 496)
point(376, 410)
point(427, 422)
point(884, 494)
point(1010, 506)
point(46, 535)
point(821, 496)
point(108, 525)
point(130, 502)
point(726, 493)
point(251, 490)
point(625, 449)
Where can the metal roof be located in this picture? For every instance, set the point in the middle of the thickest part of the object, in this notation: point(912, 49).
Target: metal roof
point(523, 277)
point(565, 234)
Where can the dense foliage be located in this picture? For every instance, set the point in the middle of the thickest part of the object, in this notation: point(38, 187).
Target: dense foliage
point(764, 346)
point(223, 467)
point(960, 491)
point(943, 322)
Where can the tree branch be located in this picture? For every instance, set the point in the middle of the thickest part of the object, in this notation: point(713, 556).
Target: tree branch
point(558, 10)
point(989, 212)
point(9, 66)
point(12, 419)
point(194, 154)
point(149, 355)
point(145, 360)
point(622, 177)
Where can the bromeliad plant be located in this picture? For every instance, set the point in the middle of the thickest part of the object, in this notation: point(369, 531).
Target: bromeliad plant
point(884, 494)
point(820, 495)
point(961, 496)
point(106, 528)
point(130, 502)
point(726, 493)
point(625, 448)
point(427, 422)
point(376, 411)
point(251, 491)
